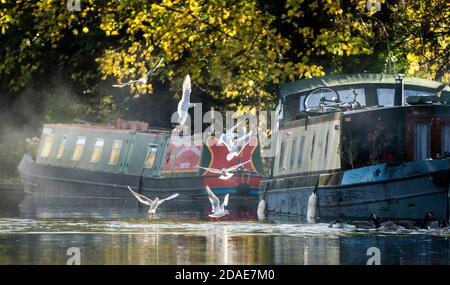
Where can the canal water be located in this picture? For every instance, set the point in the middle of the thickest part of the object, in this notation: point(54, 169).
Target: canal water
point(42, 230)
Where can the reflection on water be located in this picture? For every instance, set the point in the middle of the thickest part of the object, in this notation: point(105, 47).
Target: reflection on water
point(39, 230)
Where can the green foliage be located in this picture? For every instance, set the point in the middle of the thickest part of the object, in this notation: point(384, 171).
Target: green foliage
point(237, 52)
point(421, 37)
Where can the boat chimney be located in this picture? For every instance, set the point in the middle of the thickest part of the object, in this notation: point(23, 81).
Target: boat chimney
point(399, 97)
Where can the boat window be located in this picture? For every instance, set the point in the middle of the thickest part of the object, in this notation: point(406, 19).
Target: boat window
point(79, 147)
point(300, 153)
point(282, 151)
point(62, 145)
point(347, 95)
point(97, 152)
point(422, 136)
point(301, 105)
point(409, 92)
point(47, 143)
point(115, 152)
point(151, 155)
point(386, 96)
point(315, 95)
point(293, 153)
point(445, 138)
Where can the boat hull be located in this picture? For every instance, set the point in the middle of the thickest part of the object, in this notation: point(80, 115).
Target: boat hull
point(403, 197)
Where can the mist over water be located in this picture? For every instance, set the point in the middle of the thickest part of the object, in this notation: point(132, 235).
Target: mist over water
point(40, 230)
point(23, 115)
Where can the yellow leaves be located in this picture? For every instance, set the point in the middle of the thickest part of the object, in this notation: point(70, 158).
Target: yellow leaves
point(414, 63)
point(24, 44)
point(85, 30)
point(75, 32)
point(314, 5)
point(231, 93)
point(226, 14)
point(446, 77)
point(5, 21)
point(232, 32)
point(291, 12)
point(307, 32)
point(109, 26)
point(192, 37)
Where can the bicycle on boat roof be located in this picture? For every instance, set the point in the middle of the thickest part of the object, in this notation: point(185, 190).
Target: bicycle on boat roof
point(329, 101)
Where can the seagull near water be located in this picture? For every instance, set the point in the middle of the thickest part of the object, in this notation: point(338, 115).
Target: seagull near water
point(185, 104)
point(143, 79)
point(225, 173)
point(152, 203)
point(218, 209)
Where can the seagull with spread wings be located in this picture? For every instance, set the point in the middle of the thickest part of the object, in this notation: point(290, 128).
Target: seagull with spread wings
point(239, 145)
point(225, 173)
point(229, 137)
point(218, 209)
point(185, 104)
point(152, 203)
point(143, 79)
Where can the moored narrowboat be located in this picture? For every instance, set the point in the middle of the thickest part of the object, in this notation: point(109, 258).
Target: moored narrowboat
point(87, 160)
point(359, 145)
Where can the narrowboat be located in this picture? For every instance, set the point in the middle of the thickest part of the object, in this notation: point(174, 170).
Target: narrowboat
point(87, 160)
point(354, 145)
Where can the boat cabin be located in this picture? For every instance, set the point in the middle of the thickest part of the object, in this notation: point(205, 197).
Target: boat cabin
point(341, 122)
point(101, 148)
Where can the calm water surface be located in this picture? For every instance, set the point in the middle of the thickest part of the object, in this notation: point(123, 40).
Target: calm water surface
point(38, 230)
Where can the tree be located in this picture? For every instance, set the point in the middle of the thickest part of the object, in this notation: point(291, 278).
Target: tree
point(420, 36)
point(237, 52)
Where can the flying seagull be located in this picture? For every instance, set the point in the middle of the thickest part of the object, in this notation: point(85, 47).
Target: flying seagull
point(143, 79)
point(239, 145)
point(229, 137)
point(218, 210)
point(185, 104)
point(152, 203)
point(225, 173)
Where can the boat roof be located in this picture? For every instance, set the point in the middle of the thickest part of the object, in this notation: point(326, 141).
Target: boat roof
point(303, 85)
point(106, 127)
point(381, 108)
